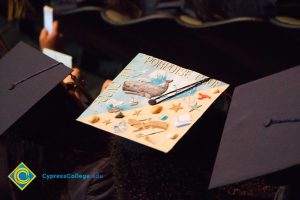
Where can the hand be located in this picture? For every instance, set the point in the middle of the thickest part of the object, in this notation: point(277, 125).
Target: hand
point(51, 40)
point(68, 79)
point(105, 85)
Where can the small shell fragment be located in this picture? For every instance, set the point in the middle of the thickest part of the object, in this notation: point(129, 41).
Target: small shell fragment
point(164, 117)
point(93, 119)
point(133, 102)
point(172, 135)
point(119, 115)
point(156, 109)
point(148, 139)
point(215, 91)
point(114, 110)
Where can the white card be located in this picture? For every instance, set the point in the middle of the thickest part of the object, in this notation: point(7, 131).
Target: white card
point(60, 57)
point(182, 120)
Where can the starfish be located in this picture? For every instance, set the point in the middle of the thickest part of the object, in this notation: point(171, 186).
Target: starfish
point(195, 107)
point(176, 107)
point(203, 96)
point(106, 122)
point(137, 112)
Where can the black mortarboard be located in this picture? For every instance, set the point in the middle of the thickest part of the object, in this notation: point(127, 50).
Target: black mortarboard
point(26, 76)
point(262, 130)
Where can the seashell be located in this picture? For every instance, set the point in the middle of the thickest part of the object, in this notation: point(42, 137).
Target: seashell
point(148, 139)
point(172, 135)
point(114, 103)
point(156, 109)
point(215, 91)
point(114, 110)
point(93, 119)
point(164, 117)
point(119, 115)
point(133, 103)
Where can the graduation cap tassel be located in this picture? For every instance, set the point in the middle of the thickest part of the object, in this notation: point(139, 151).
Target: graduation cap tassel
point(176, 92)
point(13, 85)
point(82, 89)
point(272, 121)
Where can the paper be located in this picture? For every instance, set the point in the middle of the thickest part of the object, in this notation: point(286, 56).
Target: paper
point(124, 110)
point(182, 120)
point(60, 57)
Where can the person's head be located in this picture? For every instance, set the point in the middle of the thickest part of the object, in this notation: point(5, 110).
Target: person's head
point(126, 7)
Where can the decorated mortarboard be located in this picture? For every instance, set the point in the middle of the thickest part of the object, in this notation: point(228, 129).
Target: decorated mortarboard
point(26, 76)
point(153, 102)
point(262, 130)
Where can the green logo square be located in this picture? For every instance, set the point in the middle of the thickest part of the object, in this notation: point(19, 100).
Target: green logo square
point(22, 176)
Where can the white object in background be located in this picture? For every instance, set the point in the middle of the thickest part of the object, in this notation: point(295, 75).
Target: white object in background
point(60, 57)
point(48, 18)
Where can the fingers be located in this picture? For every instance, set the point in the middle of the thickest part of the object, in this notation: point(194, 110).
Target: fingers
point(75, 72)
point(55, 28)
point(43, 38)
point(43, 35)
point(105, 84)
point(75, 93)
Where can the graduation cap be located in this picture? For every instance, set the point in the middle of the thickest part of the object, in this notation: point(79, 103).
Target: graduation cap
point(262, 130)
point(34, 105)
point(26, 76)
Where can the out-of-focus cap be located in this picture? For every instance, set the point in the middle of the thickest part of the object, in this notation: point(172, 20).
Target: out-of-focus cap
point(26, 76)
point(262, 129)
